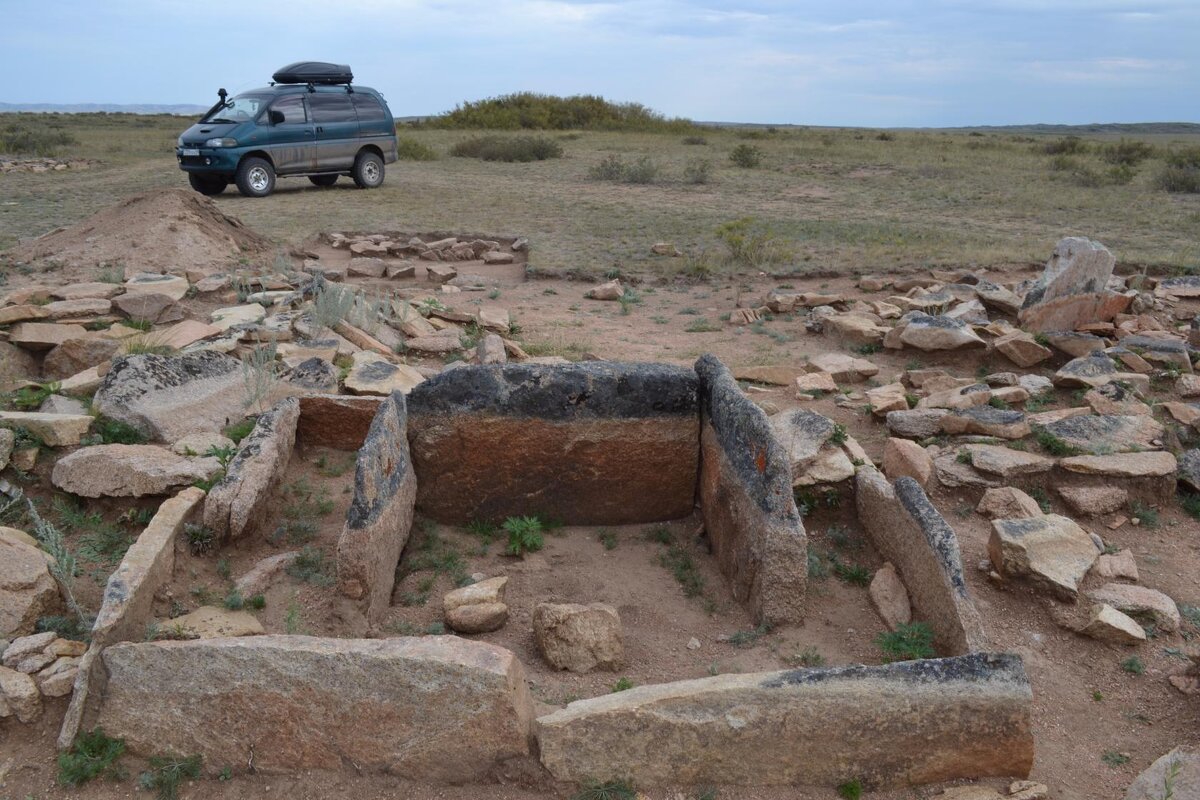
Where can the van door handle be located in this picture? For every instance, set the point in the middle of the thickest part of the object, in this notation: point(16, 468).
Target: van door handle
point(320, 129)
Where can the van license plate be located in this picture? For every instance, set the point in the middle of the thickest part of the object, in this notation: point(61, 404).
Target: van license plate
point(190, 151)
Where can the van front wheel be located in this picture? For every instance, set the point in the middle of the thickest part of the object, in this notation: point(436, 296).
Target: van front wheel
point(255, 177)
point(207, 184)
point(368, 170)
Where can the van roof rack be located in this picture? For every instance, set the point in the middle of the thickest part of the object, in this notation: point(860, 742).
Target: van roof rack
point(314, 72)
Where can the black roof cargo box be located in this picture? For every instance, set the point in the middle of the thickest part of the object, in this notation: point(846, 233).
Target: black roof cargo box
point(314, 72)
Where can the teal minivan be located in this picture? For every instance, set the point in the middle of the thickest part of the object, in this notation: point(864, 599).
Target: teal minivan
point(310, 121)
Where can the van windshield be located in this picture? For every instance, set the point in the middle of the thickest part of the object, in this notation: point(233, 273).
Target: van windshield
point(239, 109)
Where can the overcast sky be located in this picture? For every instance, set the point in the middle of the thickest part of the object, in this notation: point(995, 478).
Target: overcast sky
point(852, 62)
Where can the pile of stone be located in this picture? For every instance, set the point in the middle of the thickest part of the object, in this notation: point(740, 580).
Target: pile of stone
point(36, 666)
point(446, 248)
point(38, 165)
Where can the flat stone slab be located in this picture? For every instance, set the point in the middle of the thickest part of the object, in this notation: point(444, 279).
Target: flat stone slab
point(892, 726)
point(939, 333)
point(1126, 465)
point(1006, 462)
point(168, 397)
point(56, 430)
point(1107, 434)
point(374, 374)
point(171, 285)
point(435, 708)
point(128, 470)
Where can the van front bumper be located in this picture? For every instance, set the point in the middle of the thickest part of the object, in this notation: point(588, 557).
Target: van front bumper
point(207, 159)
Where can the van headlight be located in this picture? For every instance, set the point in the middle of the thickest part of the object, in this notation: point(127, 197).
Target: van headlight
point(221, 143)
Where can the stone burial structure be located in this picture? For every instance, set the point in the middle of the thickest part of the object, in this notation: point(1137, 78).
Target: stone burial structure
point(591, 443)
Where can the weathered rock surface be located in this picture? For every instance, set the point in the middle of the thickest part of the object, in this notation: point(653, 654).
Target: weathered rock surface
point(938, 333)
point(1096, 370)
point(435, 708)
point(917, 423)
point(910, 533)
point(1182, 763)
point(1021, 349)
point(239, 503)
point(745, 493)
point(1125, 465)
point(1006, 462)
point(986, 421)
point(171, 285)
point(1072, 289)
point(167, 397)
point(38, 336)
point(27, 590)
point(1090, 501)
point(19, 694)
point(902, 457)
point(374, 374)
point(605, 291)
point(56, 430)
point(16, 365)
point(843, 368)
point(1189, 469)
point(590, 443)
point(1109, 625)
point(579, 638)
point(966, 717)
point(1103, 435)
point(128, 470)
point(1051, 551)
point(1141, 602)
point(380, 515)
point(210, 622)
point(76, 355)
point(1007, 503)
point(890, 598)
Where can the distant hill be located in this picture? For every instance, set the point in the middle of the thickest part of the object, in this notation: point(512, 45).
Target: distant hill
point(1122, 128)
point(181, 109)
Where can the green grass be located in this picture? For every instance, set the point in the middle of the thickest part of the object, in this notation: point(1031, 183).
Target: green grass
point(924, 199)
point(907, 642)
point(622, 685)
point(1053, 444)
point(678, 560)
point(606, 790)
point(508, 148)
point(240, 430)
point(852, 574)
point(112, 431)
point(850, 790)
point(92, 756)
point(310, 566)
point(1133, 665)
point(1114, 759)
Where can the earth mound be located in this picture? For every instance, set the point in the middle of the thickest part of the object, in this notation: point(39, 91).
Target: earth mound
point(150, 232)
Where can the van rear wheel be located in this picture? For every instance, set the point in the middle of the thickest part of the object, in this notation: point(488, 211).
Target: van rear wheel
point(255, 177)
point(368, 170)
point(207, 184)
point(323, 180)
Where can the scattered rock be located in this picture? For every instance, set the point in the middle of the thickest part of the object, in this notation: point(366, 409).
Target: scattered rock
point(606, 291)
point(1091, 501)
point(1139, 601)
point(985, 420)
point(579, 638)
point(1051, 550)
point(1007, 502)
point(1189, 469)
point(1113, 398)
point(258, 580)
point(903, 457)
point(1071, 291)
point(1021, 349)
point(1183, 764)
point(1006, 462)
point(938, 333)
point(20, 695)
point(372, 374)
point(56, 430)
point(843, 368)
point(40, 336)
point(149, 282)
point(1109, 625)
point(917, 423)
point(1125, 465)
point(1119, 565)
point(1103, 435)
point(27, 590)
point(890, 598)
point(478, 608)
point(210, 622)
point(128, 470)
point(815, 382)
point(233, 316)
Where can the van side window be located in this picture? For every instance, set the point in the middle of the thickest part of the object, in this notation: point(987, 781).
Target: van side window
point(331, 107)
point(292, 108)
point(368, 107)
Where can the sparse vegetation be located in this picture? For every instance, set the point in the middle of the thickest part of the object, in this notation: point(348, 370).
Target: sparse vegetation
point(746, 155)
point(678, 559)
point(310, 567)
point(201, 539)
point(93, 755)
point(1133, 665)
point(908, 642)
point(622, 685)
point(167, 773)
point(508, 148)
point(524, 535)
point(43, 140)
point(850, 790)
point(608, 790)
point(409, 149)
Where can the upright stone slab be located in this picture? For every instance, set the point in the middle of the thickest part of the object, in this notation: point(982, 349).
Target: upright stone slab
point(337, 421)
point(1072, 289)
point(168, 397)
point(237, 504)
point(380, 516)
point(910, 533)
point(746, 500)
point(128, 605)
point(898, 725)
point(436, 708)
point(600, 443)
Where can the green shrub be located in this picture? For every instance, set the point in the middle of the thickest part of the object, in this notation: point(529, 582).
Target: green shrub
point(610, 168)
point(907, 642)
point(751, 244)
point(1068, 145)
point(506, 148)
point(1179, 180)
point(30, 398)
point(310, 567)
point(524, 535)
point(19, 139)
point(531, 111)
point(408, 149)
point(113, 431)
point(644, 170)
point(1130, 152)
point(166, 773)
point(92, 756)
point(746, 155)
point(678, 559)
point(694, 140)
point(697, 171)
point(240, 430)
point(850, 790)
point(609, 790)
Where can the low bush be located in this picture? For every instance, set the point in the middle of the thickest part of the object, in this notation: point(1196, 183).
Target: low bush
point(93, 755)
point(19, 139)
point(508, 148)
point(1179, 180)
point(746, 155)
point(644, 170)
point(697, 171)
point(1129, 152)
point(532, 111)
point(411, 150)
point(907, 643)
point(1067, 145)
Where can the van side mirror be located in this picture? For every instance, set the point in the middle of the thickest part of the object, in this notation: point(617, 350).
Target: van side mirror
point(275, 117)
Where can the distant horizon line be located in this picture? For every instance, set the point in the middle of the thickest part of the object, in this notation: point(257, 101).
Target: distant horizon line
point(191, 109)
